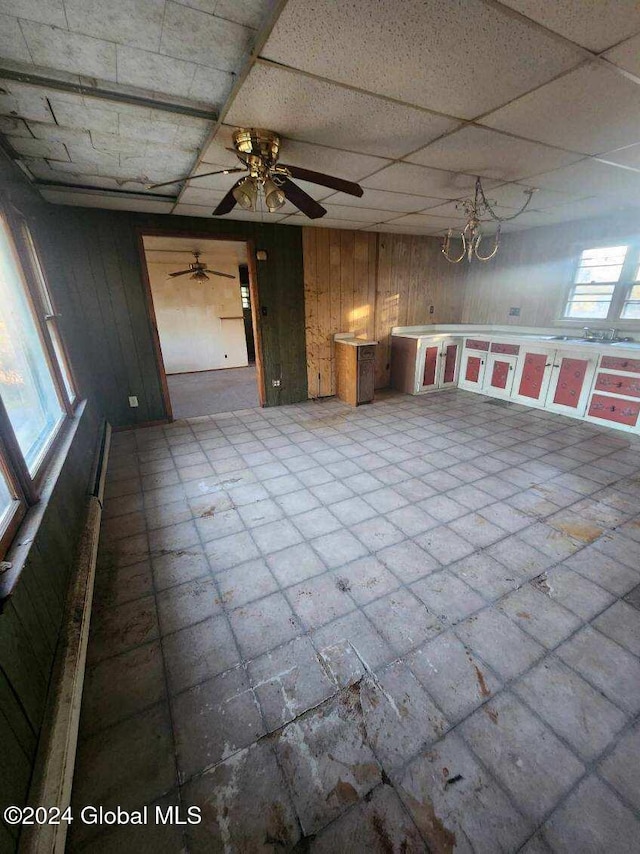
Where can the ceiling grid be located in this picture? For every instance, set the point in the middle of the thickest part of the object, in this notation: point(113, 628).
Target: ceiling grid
point(98, 99)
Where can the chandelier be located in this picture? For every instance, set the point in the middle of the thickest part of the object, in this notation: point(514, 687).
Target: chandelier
point(471, 234)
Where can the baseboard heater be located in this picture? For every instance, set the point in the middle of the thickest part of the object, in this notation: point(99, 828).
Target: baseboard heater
point(55, 759)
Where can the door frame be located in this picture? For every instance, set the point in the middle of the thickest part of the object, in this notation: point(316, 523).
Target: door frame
point(141, 233)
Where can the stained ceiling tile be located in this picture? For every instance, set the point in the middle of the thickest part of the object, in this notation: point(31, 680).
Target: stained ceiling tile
point(384, 200)
point(193, 195)
point(590, 110)
point(39, 148)
point(480, 151)
point(137, 23)
point(56, 133)
point(76, 112)
point(42, 11)
point(204, 39)
point(27, 102)
point(315, 111)
point(210, 85)
point(251, 13)
point(594, 24)
point(12, 43)
point(460, 58)
point(627, 54)
point(64, 51)
point(513, 197)
point(592, 177)
point(157, 73)
point(408, 178)
point(11, 126)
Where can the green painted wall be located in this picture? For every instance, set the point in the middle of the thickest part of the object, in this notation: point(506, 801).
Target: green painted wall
point(104, 314)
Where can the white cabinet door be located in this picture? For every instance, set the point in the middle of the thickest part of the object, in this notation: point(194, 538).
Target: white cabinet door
point(533, 375)
point(427, 367)
point(472, 368)
point(449, 359)
point(499, 374)
point(571, 379)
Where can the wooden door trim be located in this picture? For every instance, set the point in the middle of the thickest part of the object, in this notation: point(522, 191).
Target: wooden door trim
point(143, 232)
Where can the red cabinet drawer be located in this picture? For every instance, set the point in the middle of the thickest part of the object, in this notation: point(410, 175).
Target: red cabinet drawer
point(511, 349)
point(618, 384)
point(475, 344)
point(614, 409)
point(620, 363)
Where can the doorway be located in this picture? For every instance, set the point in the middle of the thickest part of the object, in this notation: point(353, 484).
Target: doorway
point(200, 295)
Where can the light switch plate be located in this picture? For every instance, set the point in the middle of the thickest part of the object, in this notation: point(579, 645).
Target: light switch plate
point(133, 401)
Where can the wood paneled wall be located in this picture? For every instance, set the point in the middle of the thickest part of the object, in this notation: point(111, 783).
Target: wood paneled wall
point(365, 283)
point(532, 271)
point(339, 296)
point(30, 620)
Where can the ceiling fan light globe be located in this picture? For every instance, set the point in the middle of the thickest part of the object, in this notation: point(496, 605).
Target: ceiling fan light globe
point(246, 194)
point(274, 198)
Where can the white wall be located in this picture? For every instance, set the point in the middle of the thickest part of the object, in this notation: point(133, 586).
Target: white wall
point(200, 323)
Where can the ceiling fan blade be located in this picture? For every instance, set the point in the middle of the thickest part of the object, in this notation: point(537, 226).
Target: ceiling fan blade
point(330, 181)
point(180, 273)
point(300, 199)
point(218, 273)
point(227, 203)
point(193, 177)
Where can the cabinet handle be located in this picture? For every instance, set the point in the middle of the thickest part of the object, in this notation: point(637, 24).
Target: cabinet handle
point(549, 365)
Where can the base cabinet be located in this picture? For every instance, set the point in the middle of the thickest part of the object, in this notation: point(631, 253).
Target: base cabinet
point(474, 363)
point(533, 375)
point(437, 364)
point(571, 383)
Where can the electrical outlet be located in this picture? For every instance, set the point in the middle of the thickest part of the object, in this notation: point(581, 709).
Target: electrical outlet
point(432, 308)
point(514, 311)
point(275, 383)
point(133, 401)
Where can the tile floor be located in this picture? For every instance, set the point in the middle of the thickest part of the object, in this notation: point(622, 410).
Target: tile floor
point(409, 627)
point(208, 392)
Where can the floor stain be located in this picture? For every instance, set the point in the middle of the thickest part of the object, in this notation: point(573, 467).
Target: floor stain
point(343, 792)
point(343, 585)
point(491, 714)
point(484, 690)
point(525, 615)
point(386, 845)
point(441, 840)
point(582, 531)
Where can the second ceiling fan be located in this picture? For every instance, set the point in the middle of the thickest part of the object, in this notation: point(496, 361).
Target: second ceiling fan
point(258, 151)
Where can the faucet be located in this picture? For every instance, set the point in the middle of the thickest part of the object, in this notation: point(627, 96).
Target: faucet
point(612, 334)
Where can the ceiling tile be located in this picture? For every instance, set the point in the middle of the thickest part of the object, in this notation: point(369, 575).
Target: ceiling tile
point(42, 11)
point(39, 148)
point(627, 54)
point(193, 195)
point(384, 200)
point(422, 231)
point(425, 221)
point(586, 208)
point(193, 210)
point(210, 85)
point(319, 112)
point(512, 197)
point(12, 43)
point(629, 156)
point(27, 102)
point(137, 23)
point(253, 216)
point(407, 178)
point(590, 110)
point(56, 133)
point(359, 214)
point(251, 13)
point(594, 178)
point(216, 151)
point(593, 24)
point(65, 51)
point(204, 39)
point(460, 57)
point(480, 151)
point(14, 127)
point(93, 200)
point(87, 114)
point(326, 222)
point(157, 73)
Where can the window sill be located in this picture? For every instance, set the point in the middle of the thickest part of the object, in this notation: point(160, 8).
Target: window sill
point(26, 534)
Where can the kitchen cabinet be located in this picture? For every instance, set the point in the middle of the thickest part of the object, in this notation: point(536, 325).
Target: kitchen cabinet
point(532, 375)
point(500, 369)
point(616, 393)
point(424, 364)
point(571, 379)
point(355, 370)
point(474, 359)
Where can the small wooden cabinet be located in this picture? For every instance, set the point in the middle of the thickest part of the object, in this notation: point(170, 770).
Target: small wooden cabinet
point(355, 370)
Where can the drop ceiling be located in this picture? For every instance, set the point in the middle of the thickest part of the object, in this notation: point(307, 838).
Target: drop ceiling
point(413, 100)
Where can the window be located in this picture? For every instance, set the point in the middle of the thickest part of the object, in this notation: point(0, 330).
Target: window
point(603, 287)
point(36, 387)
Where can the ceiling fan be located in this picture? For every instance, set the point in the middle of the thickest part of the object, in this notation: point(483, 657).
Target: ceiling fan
point(258, 150)
point(199, 271)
